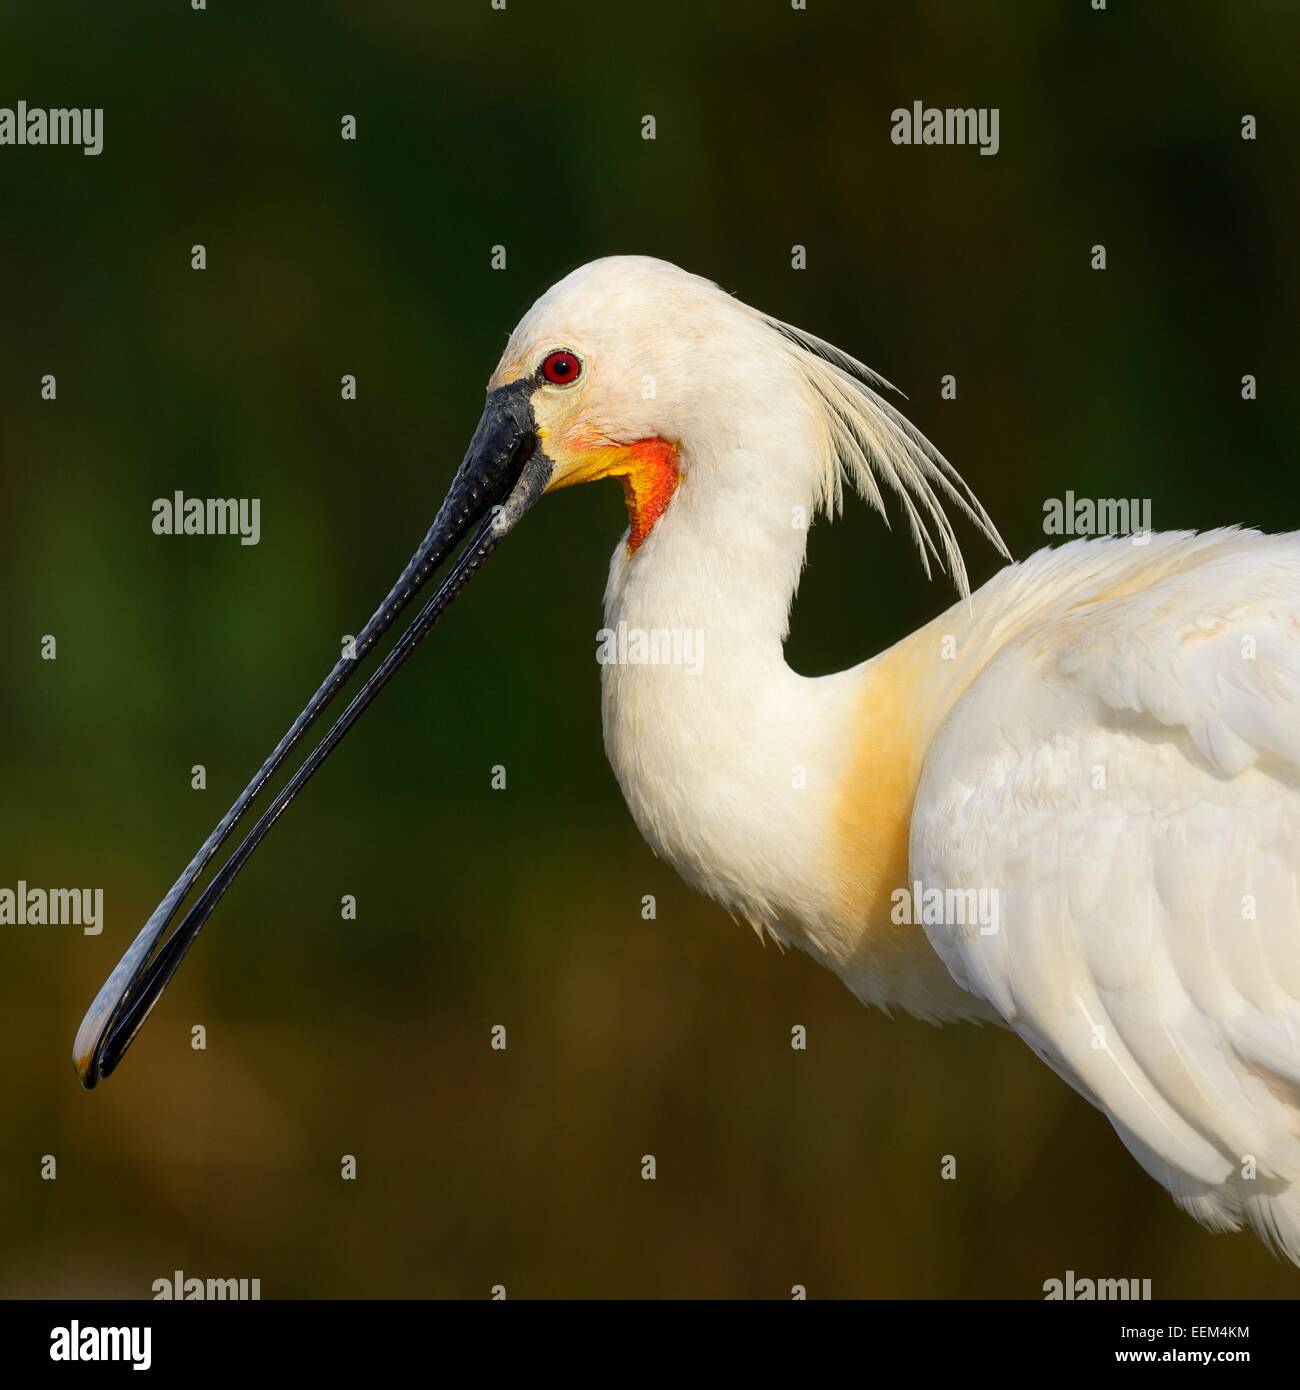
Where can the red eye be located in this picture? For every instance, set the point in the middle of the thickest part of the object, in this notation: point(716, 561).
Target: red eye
point(561, 368)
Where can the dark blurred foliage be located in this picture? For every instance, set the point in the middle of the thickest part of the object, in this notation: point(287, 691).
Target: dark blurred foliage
point(523, 907)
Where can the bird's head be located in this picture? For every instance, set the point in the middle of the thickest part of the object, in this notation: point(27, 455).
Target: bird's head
point(628, 368)
point(634, 369)
point(625, 363)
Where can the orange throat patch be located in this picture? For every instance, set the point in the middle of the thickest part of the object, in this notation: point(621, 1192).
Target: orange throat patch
point(648, 470)
point(649, 482)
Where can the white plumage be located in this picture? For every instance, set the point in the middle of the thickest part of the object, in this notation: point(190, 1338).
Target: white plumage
point(1106, 736)
point(1126, 770)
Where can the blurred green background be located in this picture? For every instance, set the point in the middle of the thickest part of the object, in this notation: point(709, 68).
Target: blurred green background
point(522, 907)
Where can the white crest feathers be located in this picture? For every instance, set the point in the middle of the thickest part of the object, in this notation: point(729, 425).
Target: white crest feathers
point(865, 437)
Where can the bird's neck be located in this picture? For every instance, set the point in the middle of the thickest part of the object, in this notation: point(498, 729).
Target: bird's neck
point(786, 799)
point(722, 556)
point(724, 754)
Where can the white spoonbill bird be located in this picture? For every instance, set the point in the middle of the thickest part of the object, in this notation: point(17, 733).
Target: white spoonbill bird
point(1103, 742)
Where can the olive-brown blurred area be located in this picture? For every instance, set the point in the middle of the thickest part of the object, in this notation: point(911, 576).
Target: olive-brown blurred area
point(522, 907)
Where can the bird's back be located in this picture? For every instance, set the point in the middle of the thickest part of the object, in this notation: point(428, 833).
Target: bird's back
point(1124, 775)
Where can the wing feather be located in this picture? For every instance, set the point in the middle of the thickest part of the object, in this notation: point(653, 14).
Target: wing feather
point(1126, 774)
